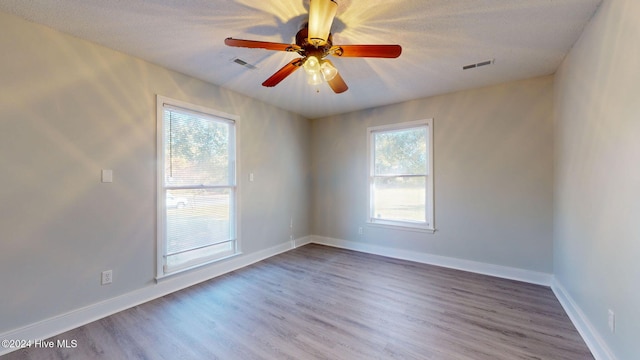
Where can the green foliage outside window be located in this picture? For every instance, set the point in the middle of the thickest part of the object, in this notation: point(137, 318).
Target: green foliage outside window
point(401, 152)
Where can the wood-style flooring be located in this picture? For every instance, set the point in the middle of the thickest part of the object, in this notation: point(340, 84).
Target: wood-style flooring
point(317, 302)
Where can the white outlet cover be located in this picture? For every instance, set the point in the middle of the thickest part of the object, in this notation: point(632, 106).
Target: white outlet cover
point(107, 176)
point(107, 277)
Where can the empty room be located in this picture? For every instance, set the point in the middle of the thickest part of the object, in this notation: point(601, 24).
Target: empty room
point(320, 179)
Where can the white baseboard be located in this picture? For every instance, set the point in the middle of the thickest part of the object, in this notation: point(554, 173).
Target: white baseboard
point(591, 337)
point(505, 272)
point(303, 241)
point(61, 323)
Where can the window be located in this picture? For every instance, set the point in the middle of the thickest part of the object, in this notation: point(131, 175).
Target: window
point(401, 175)
point(196, 186)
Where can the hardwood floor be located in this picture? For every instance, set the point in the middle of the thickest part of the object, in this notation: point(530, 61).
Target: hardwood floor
point(317, 302)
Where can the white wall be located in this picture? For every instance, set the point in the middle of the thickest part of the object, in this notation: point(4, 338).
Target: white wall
point(69, 108)
point(493, 175)
point(597, 183)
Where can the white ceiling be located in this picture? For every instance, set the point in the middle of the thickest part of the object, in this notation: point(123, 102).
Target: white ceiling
point(527, 38)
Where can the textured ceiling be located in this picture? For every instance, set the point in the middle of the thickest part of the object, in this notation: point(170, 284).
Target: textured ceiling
point(527, 38)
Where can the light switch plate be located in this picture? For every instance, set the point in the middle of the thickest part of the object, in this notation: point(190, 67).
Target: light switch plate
point(107, 176)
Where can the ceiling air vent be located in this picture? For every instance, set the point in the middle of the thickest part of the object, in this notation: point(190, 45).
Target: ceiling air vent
point(244, 63)
point(482, 63)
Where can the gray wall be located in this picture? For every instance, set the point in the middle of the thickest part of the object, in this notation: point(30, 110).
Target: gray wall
point(493, 175)
point(69, 108)
point(597, 186)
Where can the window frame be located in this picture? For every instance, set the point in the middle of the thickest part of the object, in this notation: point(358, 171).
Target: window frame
point(161, 225)
point(429, 224)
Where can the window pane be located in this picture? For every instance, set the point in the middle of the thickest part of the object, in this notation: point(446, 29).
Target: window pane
point(197, 218)
point(399, 198)
point(401, 152)
point(196, 150)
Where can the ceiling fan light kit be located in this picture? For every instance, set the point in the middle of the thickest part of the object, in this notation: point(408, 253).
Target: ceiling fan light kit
point(312, 67)
point(314, 43)
point(317, 70)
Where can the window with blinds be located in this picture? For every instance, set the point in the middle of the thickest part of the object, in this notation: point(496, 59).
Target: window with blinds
point(401, 175)
point(197, 186)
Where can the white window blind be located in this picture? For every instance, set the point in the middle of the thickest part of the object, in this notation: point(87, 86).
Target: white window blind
point(197, 183)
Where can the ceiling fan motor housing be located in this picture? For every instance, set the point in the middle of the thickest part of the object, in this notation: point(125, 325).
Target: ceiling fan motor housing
point(308, 49)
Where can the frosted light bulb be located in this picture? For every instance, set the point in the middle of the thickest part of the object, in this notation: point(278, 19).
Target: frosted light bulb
point(314, 78)
point(312, 65)
point(328, 71)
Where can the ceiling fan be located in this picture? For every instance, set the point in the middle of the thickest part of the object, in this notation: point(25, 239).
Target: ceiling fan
point(314, 44)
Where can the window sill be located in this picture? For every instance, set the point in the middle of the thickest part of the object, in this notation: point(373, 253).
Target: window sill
point(401, 226)
point(200, 266)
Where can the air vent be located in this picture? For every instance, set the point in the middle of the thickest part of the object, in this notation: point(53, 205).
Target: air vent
point(482, 63)
point(244, 63)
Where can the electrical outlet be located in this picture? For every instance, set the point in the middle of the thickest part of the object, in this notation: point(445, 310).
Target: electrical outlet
point(107, 277)
point(612, 321)
point(360, 232)
point(291, 224)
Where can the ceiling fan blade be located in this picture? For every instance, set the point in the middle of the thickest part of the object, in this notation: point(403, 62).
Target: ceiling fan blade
point(374, 51)
point(337, 84)
point(259, 44)
point(283, 73)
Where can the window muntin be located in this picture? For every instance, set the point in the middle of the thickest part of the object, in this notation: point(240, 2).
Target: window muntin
point(400, 175)
point(196, 186)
